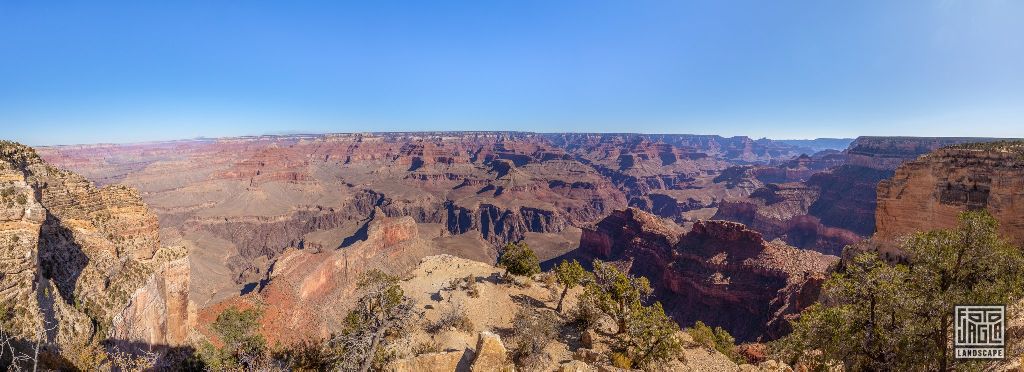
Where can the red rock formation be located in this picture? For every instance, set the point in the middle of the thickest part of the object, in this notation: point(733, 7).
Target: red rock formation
point(309, 293)
point(783, 211)
point(720, 272)
point(239, 203)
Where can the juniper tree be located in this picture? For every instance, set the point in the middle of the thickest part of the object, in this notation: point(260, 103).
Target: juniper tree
point(877, 316)
point(651, 336)
point(616, 293)
point(381, 312)
point(569, 275)
point(519, 259)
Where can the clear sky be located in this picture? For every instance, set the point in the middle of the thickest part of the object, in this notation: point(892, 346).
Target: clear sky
point(85, 72)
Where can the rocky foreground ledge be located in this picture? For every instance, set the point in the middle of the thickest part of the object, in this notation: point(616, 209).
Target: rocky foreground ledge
point(481, 345)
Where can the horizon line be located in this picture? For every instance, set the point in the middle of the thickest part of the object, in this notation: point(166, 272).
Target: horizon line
point(393, 132)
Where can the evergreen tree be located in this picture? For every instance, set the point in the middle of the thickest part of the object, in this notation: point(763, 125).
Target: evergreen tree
point(877, 316)
point(651, 336)
point(381, 312)
point(616, 293)
point(519, 259)
point(569, 275)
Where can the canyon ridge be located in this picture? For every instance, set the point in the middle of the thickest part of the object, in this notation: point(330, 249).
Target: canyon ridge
point(148, 244)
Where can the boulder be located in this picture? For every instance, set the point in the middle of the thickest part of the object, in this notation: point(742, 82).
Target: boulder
point(575, 366)
point(588, 338)
point(491, 354)
point(587, 355)
point(441, 361)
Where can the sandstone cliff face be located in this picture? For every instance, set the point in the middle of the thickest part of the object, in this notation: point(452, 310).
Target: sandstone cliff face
point(159, 312)
point(21, 217)
point(928, 193)
point(82, 261)
point(720, 272)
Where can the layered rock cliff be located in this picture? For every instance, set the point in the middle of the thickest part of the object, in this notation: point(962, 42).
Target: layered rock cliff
point(888, 153)
point(238, 203)
point(929, 192)
point(789, 211)
point(719, 272)
point(83, 264)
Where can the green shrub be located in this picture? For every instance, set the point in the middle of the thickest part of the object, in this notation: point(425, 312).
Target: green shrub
point(878, 316)
point(519, 259)
point(243, 344)
point(569, 275)
point(651, 336)
point(532, 330)
point(717, 339)
point(621, 360)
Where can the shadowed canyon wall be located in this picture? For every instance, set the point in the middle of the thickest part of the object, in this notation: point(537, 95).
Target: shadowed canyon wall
point(82, 263)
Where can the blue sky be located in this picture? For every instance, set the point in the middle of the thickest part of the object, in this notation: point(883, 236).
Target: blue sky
point(85, 72)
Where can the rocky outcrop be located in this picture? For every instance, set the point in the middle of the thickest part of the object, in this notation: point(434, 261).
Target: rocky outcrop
point(21, 217)
point(491, 309)
point(928, 193)
point(439, 361)
point(770, 208)
point(83, 262)
point(847, 197)
point(309, 293)
point(491, 354)
point(499, 225)
point(783, 211)
point(888, 153)
point(720, 272)
point(159, 312)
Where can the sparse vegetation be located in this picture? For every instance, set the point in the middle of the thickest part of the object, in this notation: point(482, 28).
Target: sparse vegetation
point(586, 315)
point(455, 318)
point(532, 330)
point(86, 355)
point(308, 355)
point(1016, 146)
point(426, 347)
point(620, 360)
point(380, 314)
point(717, 339)
point(519, 259)
point(877, 316)
point(128, 362)
point(616, 293)
point(651, 336)
point(467, 284)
